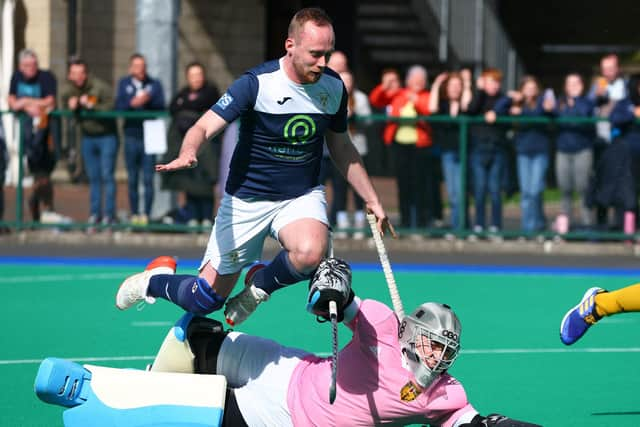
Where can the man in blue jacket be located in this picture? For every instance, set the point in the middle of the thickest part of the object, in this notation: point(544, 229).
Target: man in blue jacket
point(138, 92)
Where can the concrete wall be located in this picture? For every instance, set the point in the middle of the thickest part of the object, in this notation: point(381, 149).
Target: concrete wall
point(227, 36)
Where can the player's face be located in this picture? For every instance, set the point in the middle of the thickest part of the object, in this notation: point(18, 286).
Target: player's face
point(416, 81)
point(338, 62)
point(195, 77)
point(609, 68)
point(138, 68)
point(77, 75)
point(491, 86)
point(310, 51)
point(347, 79)
point(28, 67)
point(430, 351)
point(454, 88)
point(573, 86)
point(530, 89)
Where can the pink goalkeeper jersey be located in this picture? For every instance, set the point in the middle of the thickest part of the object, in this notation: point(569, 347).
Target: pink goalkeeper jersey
point(371, 379)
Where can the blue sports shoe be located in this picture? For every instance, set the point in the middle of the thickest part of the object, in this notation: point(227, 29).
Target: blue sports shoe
point(577, 320)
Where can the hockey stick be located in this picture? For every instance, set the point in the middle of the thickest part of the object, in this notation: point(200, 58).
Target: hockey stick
point(333, 315)
point(386, 267)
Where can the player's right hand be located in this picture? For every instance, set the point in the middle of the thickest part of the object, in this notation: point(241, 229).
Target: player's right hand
point(181, 162)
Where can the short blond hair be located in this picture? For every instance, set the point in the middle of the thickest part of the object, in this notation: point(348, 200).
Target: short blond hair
point(313, 14)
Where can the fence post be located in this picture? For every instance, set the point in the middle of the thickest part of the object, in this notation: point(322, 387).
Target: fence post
point(19, 188)
point(462, 197)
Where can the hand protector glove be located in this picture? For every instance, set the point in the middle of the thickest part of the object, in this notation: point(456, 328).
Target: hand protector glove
point(496, 420)
point(331, 281)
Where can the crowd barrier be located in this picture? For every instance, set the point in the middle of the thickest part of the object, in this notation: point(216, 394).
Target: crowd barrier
point(373, 121)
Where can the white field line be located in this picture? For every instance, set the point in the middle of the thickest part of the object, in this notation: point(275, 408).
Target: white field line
point(48, 278)
point(152, 324)
point(495, 351)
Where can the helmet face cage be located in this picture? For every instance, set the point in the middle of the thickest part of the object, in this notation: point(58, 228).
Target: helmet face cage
point(449, 351)
point(333, 273)
point(438, 324)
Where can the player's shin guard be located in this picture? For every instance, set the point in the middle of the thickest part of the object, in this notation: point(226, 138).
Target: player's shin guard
point(194, 294)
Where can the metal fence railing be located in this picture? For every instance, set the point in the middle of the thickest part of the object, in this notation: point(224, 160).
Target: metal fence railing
point(462, 122)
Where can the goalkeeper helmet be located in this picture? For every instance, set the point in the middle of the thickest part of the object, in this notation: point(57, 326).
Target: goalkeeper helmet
point(430, 340)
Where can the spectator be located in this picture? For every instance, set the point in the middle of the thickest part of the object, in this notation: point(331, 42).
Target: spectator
point(196, 185)
point(488, 149)
point(450, 96)
point(608, 88)
point(625, 129)
point(532, 148)
point(409, 141)
point(3, 170)
point(574, 152)
point(33, 91)
point(85, 93)
point(358, 105)
point(138, 92)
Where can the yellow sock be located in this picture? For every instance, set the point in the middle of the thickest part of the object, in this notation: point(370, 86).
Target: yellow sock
point(622, 300)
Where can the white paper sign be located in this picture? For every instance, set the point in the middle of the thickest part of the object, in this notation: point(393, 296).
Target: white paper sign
point(155, 136)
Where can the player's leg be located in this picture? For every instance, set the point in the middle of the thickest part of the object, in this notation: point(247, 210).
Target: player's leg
point(236, 241)
point(201, 295)
point(595, 304)
point(301, 226)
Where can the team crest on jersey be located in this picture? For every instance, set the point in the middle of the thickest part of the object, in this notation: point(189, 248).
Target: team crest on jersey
point(224, 101)
point(323, 98)
point(409, 392)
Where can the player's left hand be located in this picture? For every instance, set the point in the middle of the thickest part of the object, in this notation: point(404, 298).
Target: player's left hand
point(382, 220)
point(181, 162)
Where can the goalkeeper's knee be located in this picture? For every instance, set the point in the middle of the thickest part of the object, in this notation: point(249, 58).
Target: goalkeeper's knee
point(497, 420)
point(191, 346)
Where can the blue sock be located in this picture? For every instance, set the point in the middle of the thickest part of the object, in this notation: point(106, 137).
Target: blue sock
point(278, 274)
point(192, 293)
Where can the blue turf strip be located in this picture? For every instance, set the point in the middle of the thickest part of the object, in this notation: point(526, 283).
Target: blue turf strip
point(397, 267)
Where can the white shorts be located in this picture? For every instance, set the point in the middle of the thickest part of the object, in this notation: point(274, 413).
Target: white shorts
point(261, 380)
point(241, 227)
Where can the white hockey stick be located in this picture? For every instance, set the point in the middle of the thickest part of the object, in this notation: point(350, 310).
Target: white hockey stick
point(333, 315)
point(386, 267)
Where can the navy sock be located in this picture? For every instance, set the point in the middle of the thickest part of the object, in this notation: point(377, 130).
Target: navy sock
point(192, 293)
point(278, 274)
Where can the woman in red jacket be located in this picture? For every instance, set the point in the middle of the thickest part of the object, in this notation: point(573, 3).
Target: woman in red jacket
point(409, 142)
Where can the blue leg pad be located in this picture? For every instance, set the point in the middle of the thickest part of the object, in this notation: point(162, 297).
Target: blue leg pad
point(61, 382)
point(101, 397)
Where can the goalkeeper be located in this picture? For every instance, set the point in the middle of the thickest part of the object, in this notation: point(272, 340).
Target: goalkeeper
point(390, 372)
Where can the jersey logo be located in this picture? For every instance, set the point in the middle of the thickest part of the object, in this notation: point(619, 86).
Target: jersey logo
point(409, 392)
point(324, 99)
point(224, 101)
point(283, 100)
point(299, 129)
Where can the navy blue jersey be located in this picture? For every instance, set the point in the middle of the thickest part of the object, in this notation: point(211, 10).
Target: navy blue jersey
point(282, 127)
point(41, 86)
